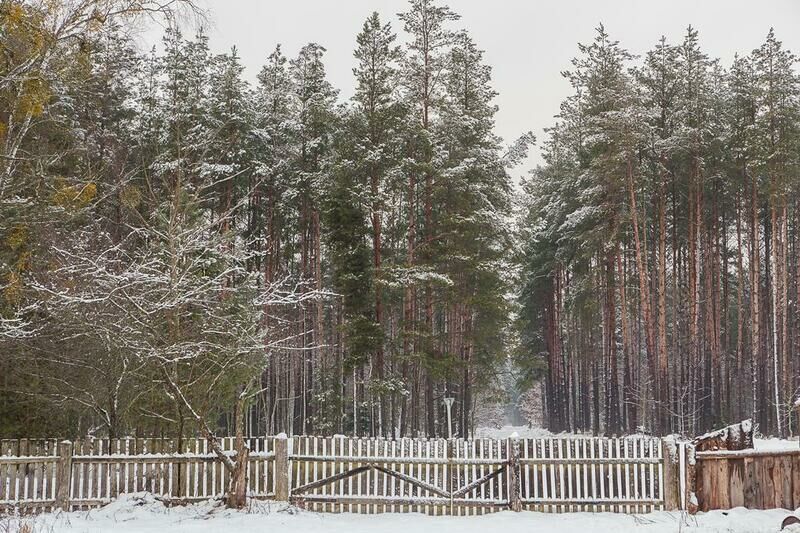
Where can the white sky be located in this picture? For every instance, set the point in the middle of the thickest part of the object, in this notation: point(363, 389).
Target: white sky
point(527, 42)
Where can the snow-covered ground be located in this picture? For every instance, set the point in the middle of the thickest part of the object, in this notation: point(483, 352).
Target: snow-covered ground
point(141, 513)
point(523, 432)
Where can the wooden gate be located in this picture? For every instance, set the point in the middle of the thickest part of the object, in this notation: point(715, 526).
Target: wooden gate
point(434, 476)
point(438, 476)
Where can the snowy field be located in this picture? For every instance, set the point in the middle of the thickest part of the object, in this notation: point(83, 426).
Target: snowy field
point(141, 513)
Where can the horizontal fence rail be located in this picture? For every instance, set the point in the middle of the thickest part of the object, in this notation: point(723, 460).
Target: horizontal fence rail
point(360, 475)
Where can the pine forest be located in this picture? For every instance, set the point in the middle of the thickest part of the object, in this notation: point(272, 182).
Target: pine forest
point(186, 248)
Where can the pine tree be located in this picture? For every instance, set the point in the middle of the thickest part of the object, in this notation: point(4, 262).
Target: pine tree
point(776, 124)
point(226, 159)
point(660, 84)
point(378, 123)
point(425, 62)
point(313, 98)
point(472, 195)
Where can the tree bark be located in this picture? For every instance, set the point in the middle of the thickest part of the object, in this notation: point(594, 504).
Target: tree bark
point(644, 279)
point(662, 415)
point(237, 489)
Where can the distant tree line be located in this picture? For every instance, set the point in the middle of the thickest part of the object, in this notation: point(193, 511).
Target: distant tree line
point(661, 263)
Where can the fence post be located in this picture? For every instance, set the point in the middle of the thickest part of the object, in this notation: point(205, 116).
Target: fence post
point(514, 502)
point(689, 459)
point(679, 475)
point(451, 471)
point(63, 475)
point(282, 468)
point(672, 474)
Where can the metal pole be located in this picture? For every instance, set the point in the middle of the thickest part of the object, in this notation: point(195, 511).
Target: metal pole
point(448, 402)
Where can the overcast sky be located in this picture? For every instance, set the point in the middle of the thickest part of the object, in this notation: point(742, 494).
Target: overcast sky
point(527, 42)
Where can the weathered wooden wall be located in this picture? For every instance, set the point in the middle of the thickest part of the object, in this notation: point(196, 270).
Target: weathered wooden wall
point(748, 478)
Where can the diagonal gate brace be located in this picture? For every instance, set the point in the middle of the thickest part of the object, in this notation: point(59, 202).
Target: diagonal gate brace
point(463, 491)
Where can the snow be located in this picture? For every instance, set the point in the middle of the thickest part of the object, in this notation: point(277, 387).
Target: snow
point(505, 432)
point(525, 432)
point(773, 444)
point(142, 513)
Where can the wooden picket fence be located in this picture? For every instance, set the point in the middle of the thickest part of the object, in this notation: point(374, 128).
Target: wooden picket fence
point(620, 475)
point(47, 474)
point(361, 475)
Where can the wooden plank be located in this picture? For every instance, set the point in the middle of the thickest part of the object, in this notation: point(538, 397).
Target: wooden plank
point(769, 486)
point(413, 503)
point(463, 491)
point(620, 495)
point(5, 466)
point(702, 485)
point(762, 482)
point(592, 452)
point(736, 472)
point(564, 471)
point(632, 478)
point(423, 485)
point(536, 481)
point(782, 474)
point(22, 472)
point(722, 498)
point(552, 473)
point(659, 451)
point(11, 481)
point(795, 466)
point(63, 476)
point(317, 483)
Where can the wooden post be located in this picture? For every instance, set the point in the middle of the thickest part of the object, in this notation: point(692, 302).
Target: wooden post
point(680, 480)
point(452, 480)
point(672, 474)
point(691, 479)
point(514, 502)
point(282, 468)
point(64, 475)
